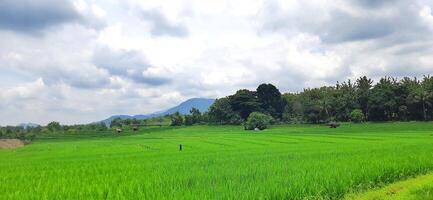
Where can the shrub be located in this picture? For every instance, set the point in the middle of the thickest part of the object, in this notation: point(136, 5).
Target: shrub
point(257, 120)
point(357, 116)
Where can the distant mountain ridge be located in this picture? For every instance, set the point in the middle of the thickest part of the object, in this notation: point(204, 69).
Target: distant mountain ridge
point(28, 125)
point(202, 104)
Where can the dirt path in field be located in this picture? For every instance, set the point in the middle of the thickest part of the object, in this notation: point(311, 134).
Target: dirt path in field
point(10, 143)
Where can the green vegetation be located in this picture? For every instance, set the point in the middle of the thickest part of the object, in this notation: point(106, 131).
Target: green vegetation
point(218, 162)
point(357, 116)
point(418, 188)
point(257, 120)
point(19, 132)
point(138, 159)
point(176, 119)
point(389, 99)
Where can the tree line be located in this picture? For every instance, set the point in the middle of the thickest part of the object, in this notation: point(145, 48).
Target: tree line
point(51, 129)
point(390, 99)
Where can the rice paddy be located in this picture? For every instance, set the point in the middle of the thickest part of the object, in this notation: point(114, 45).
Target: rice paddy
point(219, 162)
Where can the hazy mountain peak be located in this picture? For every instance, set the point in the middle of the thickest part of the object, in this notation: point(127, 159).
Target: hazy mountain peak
point(202, 104)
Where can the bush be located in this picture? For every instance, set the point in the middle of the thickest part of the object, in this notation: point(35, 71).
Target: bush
point(257, 120)
point(357, 116)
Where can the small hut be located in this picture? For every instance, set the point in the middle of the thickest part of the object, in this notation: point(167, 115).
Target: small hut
point(119, 130)
point(135, 128)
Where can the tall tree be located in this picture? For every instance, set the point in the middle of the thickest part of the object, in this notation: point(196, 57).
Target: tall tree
point(315, 105)
point(195, 115)
point(176, 119)
point(270, 99)
point(293, 110)
point(383, 104)
point(54, 126)
point(427, 97)
point(221, 112)
point(245, 102)
point(414, 98)
point(363, 86)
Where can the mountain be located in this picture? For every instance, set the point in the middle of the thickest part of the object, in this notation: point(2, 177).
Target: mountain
point(28, 125)
point(200, 103)
point(184, 108)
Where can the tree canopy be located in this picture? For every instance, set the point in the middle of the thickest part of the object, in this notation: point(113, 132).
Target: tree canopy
point(390, 99)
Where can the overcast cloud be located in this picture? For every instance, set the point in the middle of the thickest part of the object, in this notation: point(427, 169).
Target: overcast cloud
point(81, 61)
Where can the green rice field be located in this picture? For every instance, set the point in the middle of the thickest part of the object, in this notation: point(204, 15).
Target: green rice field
point(219, 162)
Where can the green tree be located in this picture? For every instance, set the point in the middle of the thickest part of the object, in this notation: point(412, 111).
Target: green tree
point(293, 111)
point(176, 119)
point(196, 115)
point(345, 100)
point(270, 100)
point(189, 120)
point(357, 116)
point(316, 104)
point(244, 102)
point(363, 87)
point(221, 112)
point(383, 102)
point(257, 120)
point(54, 126)
point(117, 122)
point(427, 97)
point(413, 105)
point(101, 126)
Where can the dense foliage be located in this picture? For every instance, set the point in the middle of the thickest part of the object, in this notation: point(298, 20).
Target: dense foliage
point(357, 116)
point(19, 132)
point(176, 119)
point(236, 108)
point(389, 99)
point(52, 129)
point(258, 120)
point(221, 112)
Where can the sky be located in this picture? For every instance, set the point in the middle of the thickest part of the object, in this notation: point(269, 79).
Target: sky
point(80, 61)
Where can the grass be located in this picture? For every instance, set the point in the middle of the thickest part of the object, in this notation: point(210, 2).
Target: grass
point(412, 189)
point(219, 162)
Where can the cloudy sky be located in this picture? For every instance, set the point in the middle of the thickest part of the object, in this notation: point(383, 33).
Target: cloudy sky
point(80, 61)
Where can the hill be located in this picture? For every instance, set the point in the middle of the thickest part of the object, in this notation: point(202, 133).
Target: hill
point(28, 125)
point(202, 104)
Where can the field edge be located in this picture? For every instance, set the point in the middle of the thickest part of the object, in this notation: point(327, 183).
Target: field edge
point(416, 188)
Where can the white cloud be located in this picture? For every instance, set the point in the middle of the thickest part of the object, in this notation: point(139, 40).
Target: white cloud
point(25, 91)
point(134, 57)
